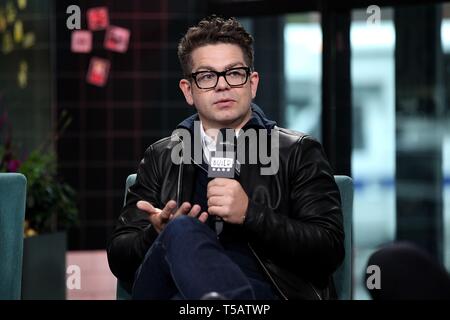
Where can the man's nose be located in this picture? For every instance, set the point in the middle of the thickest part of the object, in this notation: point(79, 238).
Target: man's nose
point(222, 84)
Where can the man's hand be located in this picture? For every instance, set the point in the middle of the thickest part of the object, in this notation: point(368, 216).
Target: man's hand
point(227, 199)
point(159, 218)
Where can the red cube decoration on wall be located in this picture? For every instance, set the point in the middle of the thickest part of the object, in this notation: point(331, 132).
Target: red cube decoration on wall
point(98, 71)
point(98, 18)
point(81, 41)
point(117, 39)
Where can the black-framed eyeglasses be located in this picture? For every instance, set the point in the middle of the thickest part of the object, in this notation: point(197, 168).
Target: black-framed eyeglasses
point(235, 77)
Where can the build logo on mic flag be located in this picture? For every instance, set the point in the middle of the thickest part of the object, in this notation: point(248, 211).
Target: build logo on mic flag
point(222, 165)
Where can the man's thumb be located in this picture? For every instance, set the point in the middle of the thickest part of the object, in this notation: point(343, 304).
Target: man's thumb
point(145, 206)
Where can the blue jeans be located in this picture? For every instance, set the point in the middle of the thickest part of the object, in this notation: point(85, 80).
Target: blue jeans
point(186, 261)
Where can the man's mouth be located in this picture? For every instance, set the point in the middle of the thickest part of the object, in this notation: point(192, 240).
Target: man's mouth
point(224, 102)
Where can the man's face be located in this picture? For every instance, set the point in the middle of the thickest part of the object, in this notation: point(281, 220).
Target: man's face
point(222, 106)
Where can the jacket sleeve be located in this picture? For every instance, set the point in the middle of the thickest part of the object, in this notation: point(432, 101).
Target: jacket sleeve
point(310, 237)
point(133, 234)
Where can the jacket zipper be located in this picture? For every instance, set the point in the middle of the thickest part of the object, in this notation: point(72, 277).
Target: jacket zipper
point(180, 174)
point(315, 291)
point(273, 281)
point(180, 171)
point(267, 272)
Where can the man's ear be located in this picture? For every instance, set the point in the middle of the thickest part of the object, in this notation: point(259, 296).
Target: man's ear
point(254, 80)
point(186, 88)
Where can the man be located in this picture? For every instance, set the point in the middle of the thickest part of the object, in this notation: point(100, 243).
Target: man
point(185, 235)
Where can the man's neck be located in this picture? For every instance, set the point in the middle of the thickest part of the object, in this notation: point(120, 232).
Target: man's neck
point(212, 128)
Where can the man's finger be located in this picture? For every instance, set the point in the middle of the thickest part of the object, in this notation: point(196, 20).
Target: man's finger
point(203, 217)
point(183, 209)
point(218, 182)
point(215, 201)
point(215, 191)
point(216, 211)
point(146, 206)
point(194, 211)
point(168, 209)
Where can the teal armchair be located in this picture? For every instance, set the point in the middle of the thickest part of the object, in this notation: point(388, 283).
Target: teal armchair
point(343, 276)
point(12, 214)
point(121, 293)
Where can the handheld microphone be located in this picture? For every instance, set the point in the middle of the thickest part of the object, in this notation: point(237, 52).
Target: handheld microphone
point(223, 162)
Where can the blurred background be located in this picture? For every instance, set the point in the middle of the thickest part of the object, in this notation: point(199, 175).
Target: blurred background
point(81, 100)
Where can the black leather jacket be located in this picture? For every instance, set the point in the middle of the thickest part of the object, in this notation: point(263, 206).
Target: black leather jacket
point(293, 221)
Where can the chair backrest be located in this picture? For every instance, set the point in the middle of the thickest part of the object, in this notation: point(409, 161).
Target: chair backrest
point(343, 276)
point(12, 214)
point(130, 181)
point(121, 293)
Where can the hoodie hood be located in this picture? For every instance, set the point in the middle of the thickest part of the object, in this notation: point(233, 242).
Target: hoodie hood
point(258, 119)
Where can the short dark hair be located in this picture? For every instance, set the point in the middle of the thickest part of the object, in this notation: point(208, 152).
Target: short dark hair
point(213, 30)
